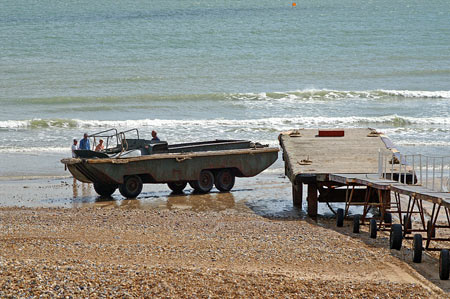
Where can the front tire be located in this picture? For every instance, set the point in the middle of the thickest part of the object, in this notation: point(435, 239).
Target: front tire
point(444, 264)
point(105, 189)
point(224, 180)
point(131, 187)
point(177, 187)
point(205, 182)
point(396, 237)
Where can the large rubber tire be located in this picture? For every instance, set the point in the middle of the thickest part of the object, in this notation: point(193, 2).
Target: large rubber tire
point(388, 218)
point(177, 187)
point(407, 224)
point(105, 189)
point(356, 224)
point(340, 218)
point(224, 180)
point(373, 228)
point(433, 232)
point(205, 182)
point(417, 248)
point(444, 266)
point(131, 187)
point(396, 237)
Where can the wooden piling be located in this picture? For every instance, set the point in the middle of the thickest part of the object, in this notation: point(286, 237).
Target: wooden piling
point(297, 194)
point(312, 200)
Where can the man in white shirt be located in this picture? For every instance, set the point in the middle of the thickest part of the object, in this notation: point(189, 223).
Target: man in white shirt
point(74, 147)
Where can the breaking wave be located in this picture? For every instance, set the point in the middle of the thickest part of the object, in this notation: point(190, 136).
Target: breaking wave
point(246, 124)
point(298, 95)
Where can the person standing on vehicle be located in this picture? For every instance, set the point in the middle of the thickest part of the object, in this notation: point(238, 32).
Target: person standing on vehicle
point(84, 143)
point(155, 137)
point(74, 148)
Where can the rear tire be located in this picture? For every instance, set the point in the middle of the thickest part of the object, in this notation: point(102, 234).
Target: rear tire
point(373, 228)
point(131, 187)
point(396, 237)
point(417, 248)
point(388, 218)
point(105, 189)
point(177, 187)
point(340, 218)
point(224, 180)
point(205, 182)
point(356, 224)
point(444, 260)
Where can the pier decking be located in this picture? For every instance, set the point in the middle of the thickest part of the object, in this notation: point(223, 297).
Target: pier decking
point(310, 159)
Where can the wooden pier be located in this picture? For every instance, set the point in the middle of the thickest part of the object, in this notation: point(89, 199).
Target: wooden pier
point(345, 165)
point(311, 155)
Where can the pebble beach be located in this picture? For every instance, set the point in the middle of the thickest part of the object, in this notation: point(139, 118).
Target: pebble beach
point(98, 252)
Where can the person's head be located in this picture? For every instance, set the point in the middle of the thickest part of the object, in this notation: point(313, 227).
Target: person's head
point(75, 142)
point(85, 136)
point(154, 133)
point(101, 141)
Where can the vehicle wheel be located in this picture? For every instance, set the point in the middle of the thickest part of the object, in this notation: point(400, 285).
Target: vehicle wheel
point(444, 261)
point(417, 248)
point(177, 187)
point(105, 189)
point(356, 224)
point(224, 180)
point(205, 182)
point(388, 218)
point(433, 232)
point(396, 237)
point(407, 224)
point(373, 228)
point(340, 218)
point(131, 187)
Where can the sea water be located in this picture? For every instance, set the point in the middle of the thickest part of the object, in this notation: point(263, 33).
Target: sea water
point(198, 70)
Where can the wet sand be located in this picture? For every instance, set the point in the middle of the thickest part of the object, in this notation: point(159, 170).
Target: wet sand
point(59, 239)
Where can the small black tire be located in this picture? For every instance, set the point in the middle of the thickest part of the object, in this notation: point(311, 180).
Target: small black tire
point(433, 232)
point(396, 237)
point(444, 266)
point(388, 218)
point(407, 224)
point(417, 248)
point(177, 187)
point(356, 224)
point(105, 189)
point(131, 187)
point(340, 218)
point(224, 180)
point(373, 228)
point(204, 183)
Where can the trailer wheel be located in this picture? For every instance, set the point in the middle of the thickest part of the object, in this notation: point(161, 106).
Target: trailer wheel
point(396, 237)
point(224, 180)
point(407, 224)
point(177, 187)
point(340, 217)
point(205, 182)
point(417, 248)
point(131, 187)
point(105, 189)
point(388, 218)
point(444, 260)
point(356, 224)
point(373, 228)
point(433, 232)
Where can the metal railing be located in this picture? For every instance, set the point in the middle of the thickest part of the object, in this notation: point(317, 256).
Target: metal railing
point(430, 172)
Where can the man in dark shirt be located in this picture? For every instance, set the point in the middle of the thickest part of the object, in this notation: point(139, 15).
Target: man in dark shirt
point(155, 137)
point(84, 143)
